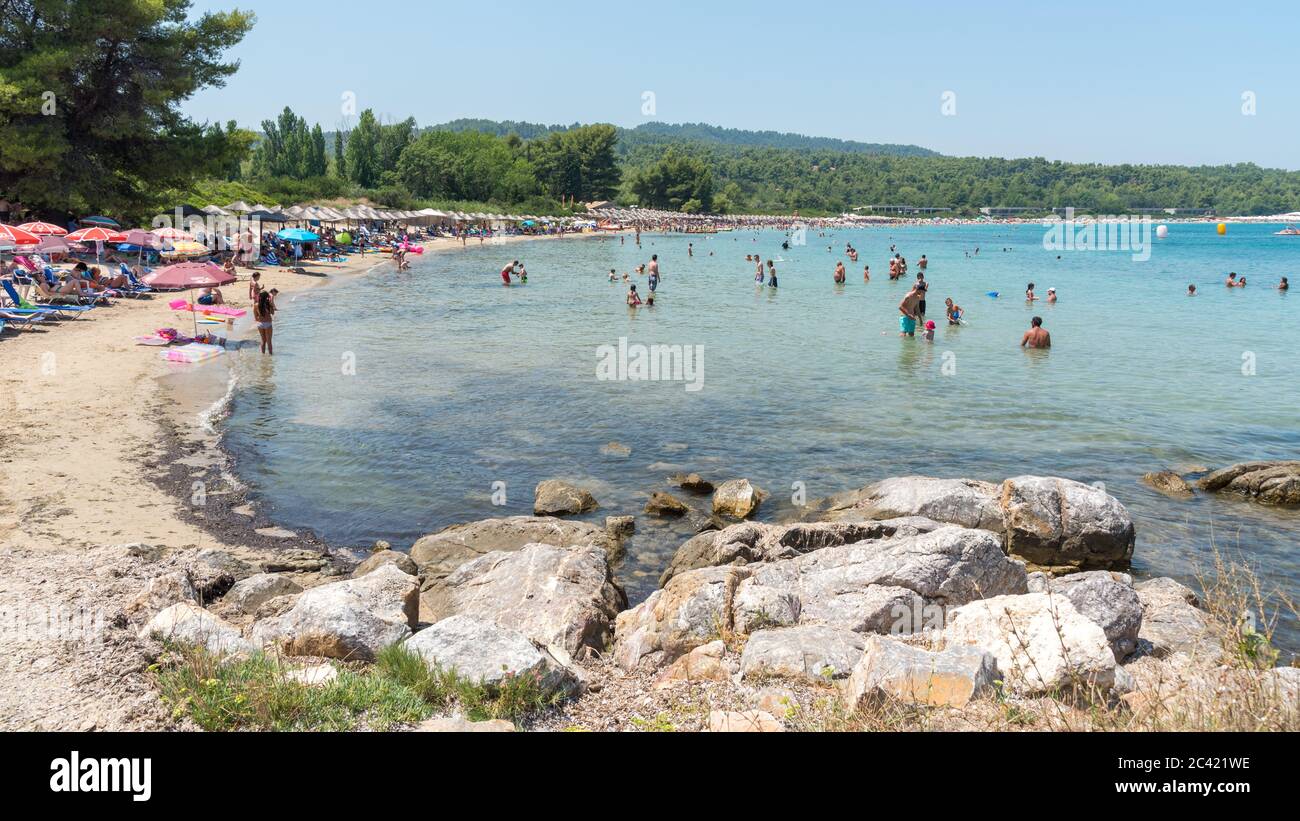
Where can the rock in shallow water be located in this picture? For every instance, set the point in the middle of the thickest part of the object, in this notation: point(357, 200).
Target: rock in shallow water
point(1273, 482)
point(665, 504)
point(737, 499)
point(1054, 524)
point(1168, 483)
point(557, 498)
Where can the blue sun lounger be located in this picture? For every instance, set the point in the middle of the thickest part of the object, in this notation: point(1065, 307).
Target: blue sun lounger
point(22, 306)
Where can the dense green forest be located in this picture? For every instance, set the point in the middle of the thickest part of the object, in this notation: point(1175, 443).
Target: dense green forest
point(80, 132)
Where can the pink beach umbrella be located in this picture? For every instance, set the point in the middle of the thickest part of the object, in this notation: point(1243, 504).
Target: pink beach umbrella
point(171, 234)
point(186, 276)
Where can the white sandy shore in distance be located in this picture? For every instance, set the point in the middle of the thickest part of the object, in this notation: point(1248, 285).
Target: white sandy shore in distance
point(82, 412)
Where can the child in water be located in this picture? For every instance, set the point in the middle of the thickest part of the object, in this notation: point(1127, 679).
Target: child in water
point(928, 336)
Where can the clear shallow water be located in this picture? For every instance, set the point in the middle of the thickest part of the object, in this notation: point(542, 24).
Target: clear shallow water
point(460, 383)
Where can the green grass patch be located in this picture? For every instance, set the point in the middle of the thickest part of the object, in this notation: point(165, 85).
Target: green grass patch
point(399, 690)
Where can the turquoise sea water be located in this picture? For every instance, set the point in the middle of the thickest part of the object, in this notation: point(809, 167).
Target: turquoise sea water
point(397, 400)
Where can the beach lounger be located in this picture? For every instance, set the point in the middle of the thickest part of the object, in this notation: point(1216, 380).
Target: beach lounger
point(22, 320)
point(24, 306)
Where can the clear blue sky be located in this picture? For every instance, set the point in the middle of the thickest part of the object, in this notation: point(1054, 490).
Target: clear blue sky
point(1098, 82)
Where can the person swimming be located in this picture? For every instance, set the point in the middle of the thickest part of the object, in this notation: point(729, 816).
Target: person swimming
point(1191, 290)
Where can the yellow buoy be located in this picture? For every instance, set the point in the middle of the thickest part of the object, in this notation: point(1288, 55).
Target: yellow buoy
point(1223, 228)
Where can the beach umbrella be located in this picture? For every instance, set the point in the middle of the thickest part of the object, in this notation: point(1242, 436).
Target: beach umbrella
point(297, 235)
point(13, 235)
point(52, 245)
point(216, 211)
point(103, 222)
point(96, 233)
point(186, 248)
point(239, 206)
point(43, 229)
point(186, 276)
point(171, 233)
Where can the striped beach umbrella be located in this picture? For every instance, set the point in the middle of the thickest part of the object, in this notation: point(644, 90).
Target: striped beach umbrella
point(96, 234)
point(171, 233)
point(13, 235)
point(185, 248)
point(43, 229)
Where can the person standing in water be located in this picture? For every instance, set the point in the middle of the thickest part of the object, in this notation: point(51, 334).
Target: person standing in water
point(907, 313)
point(840, 276)
point(633, 298)
point(264, 315)
point(1036, 337)
point(922, 287)
point(866, 273)
point(507, 271)
point(771, 270)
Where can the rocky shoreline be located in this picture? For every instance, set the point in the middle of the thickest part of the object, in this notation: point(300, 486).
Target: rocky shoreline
point(936, 594)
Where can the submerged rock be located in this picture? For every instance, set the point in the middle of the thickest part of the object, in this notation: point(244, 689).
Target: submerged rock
point(557, 498)
point(737, 499)
point(1168, 483)
point(1271, 482)
point(692, 483)
point(665, 504)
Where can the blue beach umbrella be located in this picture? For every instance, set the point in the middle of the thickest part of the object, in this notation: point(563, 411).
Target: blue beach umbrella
point(100, 221)
point(297, 235)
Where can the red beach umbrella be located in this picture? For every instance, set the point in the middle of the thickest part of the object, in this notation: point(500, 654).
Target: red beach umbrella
point(43, 229)
point(96, 234)
point(13, 235)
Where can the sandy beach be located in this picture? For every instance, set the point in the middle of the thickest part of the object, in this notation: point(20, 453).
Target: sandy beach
point(96, 428)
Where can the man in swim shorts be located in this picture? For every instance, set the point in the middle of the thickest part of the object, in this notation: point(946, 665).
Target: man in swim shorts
point(506, 271)
point(907, 309)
